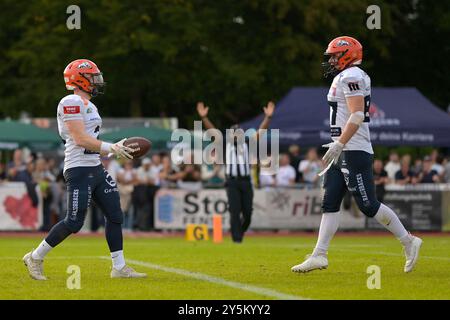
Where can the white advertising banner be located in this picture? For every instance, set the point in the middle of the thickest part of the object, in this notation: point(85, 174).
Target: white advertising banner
point(273, 208)
point(16, 208)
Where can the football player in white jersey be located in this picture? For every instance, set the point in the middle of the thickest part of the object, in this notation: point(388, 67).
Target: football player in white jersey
point(349, 157)
point(79, 125)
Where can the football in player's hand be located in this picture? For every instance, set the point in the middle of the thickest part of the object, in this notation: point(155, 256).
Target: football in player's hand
point(139, 145)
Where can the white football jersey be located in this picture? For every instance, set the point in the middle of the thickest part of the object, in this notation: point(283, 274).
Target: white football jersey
point(73, 107)
point(350, 82)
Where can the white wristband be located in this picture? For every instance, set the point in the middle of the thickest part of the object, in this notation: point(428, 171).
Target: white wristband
point(105, 147)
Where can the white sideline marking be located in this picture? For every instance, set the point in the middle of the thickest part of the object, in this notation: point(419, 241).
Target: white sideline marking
point(204, 277)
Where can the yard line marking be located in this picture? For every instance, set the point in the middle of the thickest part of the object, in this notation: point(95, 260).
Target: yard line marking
point(391, 254)
point(204, 277)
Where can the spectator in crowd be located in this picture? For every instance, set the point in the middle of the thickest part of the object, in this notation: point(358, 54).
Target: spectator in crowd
point(126, 179)
point(286, 173)
point(142, 199)
point(145, 172)
point(417, 167)
point(17, 164)
point(213, 173)
point(42, 172)
point(59, 203)
point(167, 174)
point(393, 165)
point(381, 179)
point(405, 175)
point(53, 167)
point(26, 175)
point(406, 158)
point(266, 178)
point(428, 175)
point(156, 168)
point(310, 167)
point(44, 179)
point(294, 153)
point(189, 177)
point(436, 163)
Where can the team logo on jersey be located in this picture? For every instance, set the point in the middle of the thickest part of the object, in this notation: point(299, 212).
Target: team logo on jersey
point(342, 43)
point(71, 109)
point(89, 110)
point(85, 65)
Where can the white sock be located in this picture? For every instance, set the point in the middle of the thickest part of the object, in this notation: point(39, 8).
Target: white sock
point(328, 227)
point(390, 221)
point(118, 260)
point(41, 251)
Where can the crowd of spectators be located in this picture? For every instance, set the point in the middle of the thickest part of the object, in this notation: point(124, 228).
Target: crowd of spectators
point(138, 181)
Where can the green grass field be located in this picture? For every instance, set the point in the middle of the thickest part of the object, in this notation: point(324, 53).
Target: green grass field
point(257, 269)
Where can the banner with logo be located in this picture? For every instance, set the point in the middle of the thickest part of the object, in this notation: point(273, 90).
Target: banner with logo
point(273, 208)
point(417, 209)
point(16, 208)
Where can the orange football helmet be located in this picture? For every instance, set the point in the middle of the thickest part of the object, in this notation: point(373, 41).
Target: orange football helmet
point(342, 52)
point(84, 75)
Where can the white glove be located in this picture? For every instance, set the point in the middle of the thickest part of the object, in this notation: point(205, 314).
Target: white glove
point(120, 150)
point(334, 151)
point(332, 156)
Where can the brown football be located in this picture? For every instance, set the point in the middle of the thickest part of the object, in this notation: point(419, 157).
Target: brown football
point(139, 145)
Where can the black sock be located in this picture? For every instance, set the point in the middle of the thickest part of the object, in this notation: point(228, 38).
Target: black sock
point(113, 232)
point(57, 234)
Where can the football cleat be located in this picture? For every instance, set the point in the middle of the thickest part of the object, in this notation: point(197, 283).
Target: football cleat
point(127, 272)
point(311, 263)
point(35, 267)
point(412, 253)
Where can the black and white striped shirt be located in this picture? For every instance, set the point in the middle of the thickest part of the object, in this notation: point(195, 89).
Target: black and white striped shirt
point(237, 160)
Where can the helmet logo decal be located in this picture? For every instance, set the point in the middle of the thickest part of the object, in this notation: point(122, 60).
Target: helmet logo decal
point(85, 65)
point(342, 43)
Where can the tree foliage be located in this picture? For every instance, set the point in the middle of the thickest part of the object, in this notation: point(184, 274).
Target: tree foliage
point(160, 56)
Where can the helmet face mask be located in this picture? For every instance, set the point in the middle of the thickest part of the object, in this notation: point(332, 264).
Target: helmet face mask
point(97, 84)
point(330, 64)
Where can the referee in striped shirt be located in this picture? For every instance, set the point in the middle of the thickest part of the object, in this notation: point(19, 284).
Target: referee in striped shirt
point(238, 182)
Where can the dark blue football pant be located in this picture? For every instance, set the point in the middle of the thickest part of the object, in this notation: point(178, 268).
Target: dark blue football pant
point(353, 172)
point(85, 184)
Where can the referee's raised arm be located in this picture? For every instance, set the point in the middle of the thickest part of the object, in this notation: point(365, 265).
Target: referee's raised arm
point(203, 113)
point(268, 112)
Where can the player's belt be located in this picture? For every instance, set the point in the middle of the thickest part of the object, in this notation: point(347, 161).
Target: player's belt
point(335, 131)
